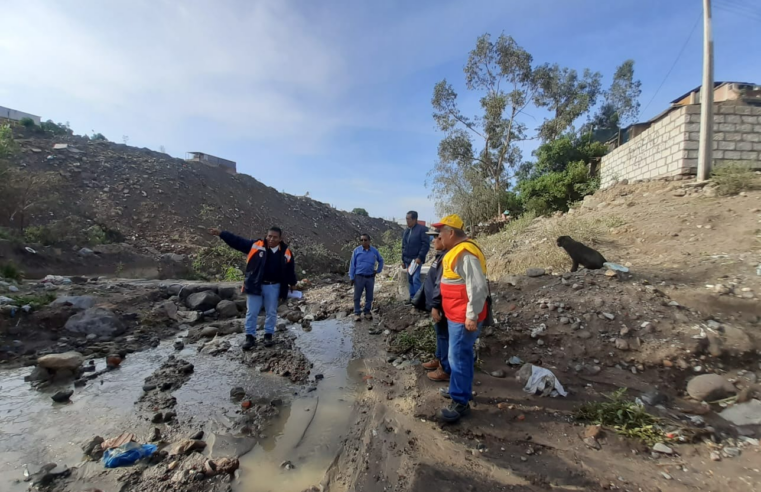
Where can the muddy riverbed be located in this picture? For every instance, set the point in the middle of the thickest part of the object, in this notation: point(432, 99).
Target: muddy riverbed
point(291, 453)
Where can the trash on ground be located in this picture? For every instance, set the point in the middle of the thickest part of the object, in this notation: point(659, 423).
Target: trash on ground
point(540, 380)
point(127, 454)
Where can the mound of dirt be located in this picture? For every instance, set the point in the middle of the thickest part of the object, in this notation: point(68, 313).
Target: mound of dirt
point(161, 204)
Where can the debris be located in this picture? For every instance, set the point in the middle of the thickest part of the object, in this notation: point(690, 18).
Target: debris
point(127, 454)
point(715, 456)
point(62, 396)
point(538, 331)
point(662, 448)
point(748, 413)
point(514, 361)
point(622, 344)
point(186, 446)
point(710, 387)
point(731, 452)
point(609, 316)
point(287, 465)
point(119, 440)
point(540, 380)
point(498, 373)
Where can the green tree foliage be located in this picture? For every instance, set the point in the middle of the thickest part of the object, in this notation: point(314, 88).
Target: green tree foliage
point(555, 156)
point(566, 95)
point(360, 211)
point(98, 137)
point(476, 152)
point(56, 128)
point(621, 101)
point(8, 146)
point(27, 122)
point(390, 247)
point(556, 190)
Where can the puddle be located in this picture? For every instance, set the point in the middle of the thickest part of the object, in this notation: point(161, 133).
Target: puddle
point(308, 432)
point(35, 431)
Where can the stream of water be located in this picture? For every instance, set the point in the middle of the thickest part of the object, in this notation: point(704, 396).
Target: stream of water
point(35, 431)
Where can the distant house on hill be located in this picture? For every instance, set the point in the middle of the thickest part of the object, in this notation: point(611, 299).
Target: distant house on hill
point(210, 160)
point(14, 115)
point(667, 145)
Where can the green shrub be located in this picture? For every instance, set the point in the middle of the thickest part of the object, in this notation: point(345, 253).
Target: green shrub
point(95, 235)
point(41, 235)
point(556, 190)
point(11, 272)
point(360, 211)
point(390, 247)
point(8, 146)
point(733, 178)
point(216, 261)
point(233, 274)
point(420, 341)
point(98, 137)
point(35, 300)
point(55, 128)
point(27, 122)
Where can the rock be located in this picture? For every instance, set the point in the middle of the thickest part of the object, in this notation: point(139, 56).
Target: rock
point(515, 361)
point(209, 332)
point(609, 316)
point(577, 286)
point(592, 443)
point(100, 321)
point(157, 418)
point(679, 192)
point(593, 431)
point(622, 344)
point(722, 289)
point(70, 361)
point(662, 448)
point(202, 301)
point(585, 334)
point(149, 387)
point(188, 317)
point(92, 448)
point(535, 272)
point(498, 373)
point(564, 320)
point(166, 309)
point(113, 361)
point(747, 413)
point(86, 252)
point(287, 465)
point(179, 345)
point(710, 387)
point(197, 436)
point(715, 456)
point(80, 303)
point(186, 446)
point(62, 396)
point(209, 313)
point(237, 393)
point(229, 293)
point(227, 309)
point(539, 331)
point(654, 398)
point(731, 452)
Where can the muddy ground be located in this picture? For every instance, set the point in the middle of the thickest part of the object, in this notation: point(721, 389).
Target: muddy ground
point(372, 425)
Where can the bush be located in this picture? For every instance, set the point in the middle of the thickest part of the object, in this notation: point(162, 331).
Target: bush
point(37, 301)
point(733, 178)
point(233, 274)
point(215, 262)
point(360, 211)
point(555, 191)
point(27, 122)
point(98, 137)
point(7, 144)
point(390, 247)
point(56, 128)
point(11, 272)
point(43, 235)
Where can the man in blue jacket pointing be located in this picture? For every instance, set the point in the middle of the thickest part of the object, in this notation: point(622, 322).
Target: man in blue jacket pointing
point(415, 246)
point(270, 274)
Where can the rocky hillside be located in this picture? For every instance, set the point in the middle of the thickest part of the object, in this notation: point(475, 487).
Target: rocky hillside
point(159, 204)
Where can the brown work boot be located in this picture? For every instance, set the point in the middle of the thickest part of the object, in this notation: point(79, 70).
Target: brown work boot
point(438, 375)
point(431, 365)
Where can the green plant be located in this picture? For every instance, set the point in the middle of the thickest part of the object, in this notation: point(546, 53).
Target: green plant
point(626, 417)
point(55, 128)
point(41, 235)
point(119, 268)
point(35, 300)
point(360, 211)
point(734, 177)
point(95, 235)
point(233, 274)
point(215, 261)
point(390, 247)
point(11, 272)
point(27, 122)
point(8, 146)
point(420, 341)
point(555, 190)
point(98, 137)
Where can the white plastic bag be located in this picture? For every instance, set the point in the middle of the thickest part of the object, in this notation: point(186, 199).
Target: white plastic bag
point(540, 380)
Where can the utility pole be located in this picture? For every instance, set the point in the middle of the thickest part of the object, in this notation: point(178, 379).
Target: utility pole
point(705, 151)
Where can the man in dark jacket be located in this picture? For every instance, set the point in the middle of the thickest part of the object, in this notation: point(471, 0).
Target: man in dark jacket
point(270, 274)
point(439, 366)
point(415, 246)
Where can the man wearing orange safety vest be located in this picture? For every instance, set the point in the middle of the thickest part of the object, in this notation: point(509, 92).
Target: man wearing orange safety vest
point(270, 274)
point(464, 292)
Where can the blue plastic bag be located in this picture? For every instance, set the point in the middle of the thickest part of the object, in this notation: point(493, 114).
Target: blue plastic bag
point(127, 454)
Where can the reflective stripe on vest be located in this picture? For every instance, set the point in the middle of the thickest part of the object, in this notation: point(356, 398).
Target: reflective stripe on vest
point(454, 294)
point(259, 246)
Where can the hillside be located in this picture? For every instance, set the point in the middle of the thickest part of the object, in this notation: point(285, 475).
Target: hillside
point(159, 204)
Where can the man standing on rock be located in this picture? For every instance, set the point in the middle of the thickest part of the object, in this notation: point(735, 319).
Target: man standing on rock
point(464, 292)
point(270, 272)
point(439, 366)
point(415, 246)
point(362, 272)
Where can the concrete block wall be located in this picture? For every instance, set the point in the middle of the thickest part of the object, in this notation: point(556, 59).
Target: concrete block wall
point(661, 150)
point(670, 146)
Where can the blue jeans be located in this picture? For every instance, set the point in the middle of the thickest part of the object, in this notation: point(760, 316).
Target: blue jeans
point(461, 361)
point(442, 344)
point(414, 279)
point(269, 298)
point(366, 285)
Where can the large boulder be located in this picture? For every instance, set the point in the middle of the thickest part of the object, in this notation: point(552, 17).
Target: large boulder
point(710, 387)
point(188, 290)
point(227, 309)
point(80, 303)
point(229, 293)
point(67, 361)
point(97, 321)
point(165, 310)
point(202, 301)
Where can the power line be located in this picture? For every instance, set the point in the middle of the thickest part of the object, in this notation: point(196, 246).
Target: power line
point(742, 5)
point(743, 11)
point(681, 52)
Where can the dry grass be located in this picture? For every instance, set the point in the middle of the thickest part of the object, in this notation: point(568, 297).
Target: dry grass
point(530, 242)
point(733, 178)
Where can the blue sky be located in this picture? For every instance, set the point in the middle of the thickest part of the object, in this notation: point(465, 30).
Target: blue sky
point(329, 97)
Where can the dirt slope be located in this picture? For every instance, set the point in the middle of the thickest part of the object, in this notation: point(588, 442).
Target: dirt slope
point(164, 204)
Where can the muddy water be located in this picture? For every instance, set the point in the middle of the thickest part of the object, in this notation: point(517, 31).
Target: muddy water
point(35, 431)
point(309, 432)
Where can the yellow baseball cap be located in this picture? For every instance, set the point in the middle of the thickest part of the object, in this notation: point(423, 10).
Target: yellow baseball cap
point(453, 221)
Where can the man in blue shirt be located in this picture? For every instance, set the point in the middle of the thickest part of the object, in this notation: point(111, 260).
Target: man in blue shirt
point(415, 246)
point(362, 271)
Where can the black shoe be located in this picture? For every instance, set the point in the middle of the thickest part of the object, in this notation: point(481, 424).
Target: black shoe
point(408, 302)
point(454, 412)
point(250, 343)
point(445, 393)
point(268, 340)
